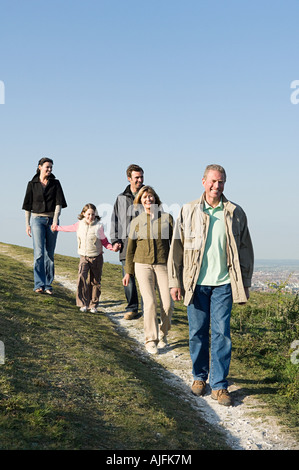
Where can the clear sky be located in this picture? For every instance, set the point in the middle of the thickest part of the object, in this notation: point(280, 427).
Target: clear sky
point(172, 85)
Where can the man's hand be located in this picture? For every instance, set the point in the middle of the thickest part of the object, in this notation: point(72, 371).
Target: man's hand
point(126, 279)
point(116, 247)
point(175, 293)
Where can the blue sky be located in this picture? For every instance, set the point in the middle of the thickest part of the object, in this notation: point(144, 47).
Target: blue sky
point(170, 85)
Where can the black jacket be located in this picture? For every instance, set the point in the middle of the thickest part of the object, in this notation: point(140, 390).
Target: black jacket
point(42, 200)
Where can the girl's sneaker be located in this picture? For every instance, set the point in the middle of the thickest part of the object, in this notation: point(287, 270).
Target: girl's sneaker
point(83, 309)
point(93, 310)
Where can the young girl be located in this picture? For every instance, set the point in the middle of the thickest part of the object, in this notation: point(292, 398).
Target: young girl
point(91, 239)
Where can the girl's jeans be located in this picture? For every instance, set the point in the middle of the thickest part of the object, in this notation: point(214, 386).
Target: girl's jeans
point(210, 304)
point(44, 242)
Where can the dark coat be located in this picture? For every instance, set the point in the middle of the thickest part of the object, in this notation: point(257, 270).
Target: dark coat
point(123, 213)
point(43, 200)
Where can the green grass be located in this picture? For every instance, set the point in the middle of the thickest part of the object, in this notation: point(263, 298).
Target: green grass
point(262, 333)
point(71, 382)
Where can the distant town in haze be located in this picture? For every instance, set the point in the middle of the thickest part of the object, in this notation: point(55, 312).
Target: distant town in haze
point(273, 274)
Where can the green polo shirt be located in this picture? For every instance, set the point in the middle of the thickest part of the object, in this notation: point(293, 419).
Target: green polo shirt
point(214, 270)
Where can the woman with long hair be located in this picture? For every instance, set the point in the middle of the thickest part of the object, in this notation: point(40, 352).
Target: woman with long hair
point(43, 202)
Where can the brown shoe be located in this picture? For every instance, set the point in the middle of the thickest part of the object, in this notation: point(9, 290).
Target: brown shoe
point(222, 396)
point(130, 315)
point(198, 387)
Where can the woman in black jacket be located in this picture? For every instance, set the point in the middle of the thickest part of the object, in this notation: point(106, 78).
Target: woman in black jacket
point(43, 201)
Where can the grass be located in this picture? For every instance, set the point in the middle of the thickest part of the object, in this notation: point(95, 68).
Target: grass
point(263, 333)
point(70, 382)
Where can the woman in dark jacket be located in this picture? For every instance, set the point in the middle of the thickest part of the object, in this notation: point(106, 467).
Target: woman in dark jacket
point(43, 201)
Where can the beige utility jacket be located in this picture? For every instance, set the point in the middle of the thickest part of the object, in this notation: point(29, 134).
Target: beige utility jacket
point(188, 245)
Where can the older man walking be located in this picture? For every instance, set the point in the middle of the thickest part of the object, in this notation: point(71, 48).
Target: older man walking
point(211, 264)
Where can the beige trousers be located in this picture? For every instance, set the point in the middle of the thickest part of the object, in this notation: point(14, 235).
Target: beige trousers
point(150, 276)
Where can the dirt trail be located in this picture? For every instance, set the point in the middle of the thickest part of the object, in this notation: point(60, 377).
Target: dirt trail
point(243, 427)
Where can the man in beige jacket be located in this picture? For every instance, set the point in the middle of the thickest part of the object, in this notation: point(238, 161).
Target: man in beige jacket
point(210, 264)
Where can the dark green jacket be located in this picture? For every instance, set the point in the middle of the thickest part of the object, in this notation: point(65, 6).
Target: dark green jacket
point(149, 240)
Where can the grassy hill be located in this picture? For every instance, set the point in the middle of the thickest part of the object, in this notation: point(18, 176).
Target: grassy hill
point(71, 382)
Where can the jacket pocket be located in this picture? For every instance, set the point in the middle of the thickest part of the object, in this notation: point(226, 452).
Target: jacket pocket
point(190, 268)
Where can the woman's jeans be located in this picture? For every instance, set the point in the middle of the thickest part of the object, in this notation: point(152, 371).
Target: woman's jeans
point(210, 304)
point(44, 242)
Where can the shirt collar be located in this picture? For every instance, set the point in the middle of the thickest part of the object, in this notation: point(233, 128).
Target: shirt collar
point(207, 206)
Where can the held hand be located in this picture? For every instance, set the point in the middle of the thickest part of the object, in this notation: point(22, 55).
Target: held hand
point(176, 293)
point(28, 230)
point(54, 227)
point(116, 247)
point(126, 279)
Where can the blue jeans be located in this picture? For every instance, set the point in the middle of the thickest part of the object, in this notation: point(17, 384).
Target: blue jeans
point(130, 292)
point(44, 242)
point(210, 304)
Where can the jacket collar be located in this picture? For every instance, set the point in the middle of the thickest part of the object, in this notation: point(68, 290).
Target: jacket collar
point(157, 214)
point(228, 205)
point(36, 179)
point(95, 222)
point(128, 192)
